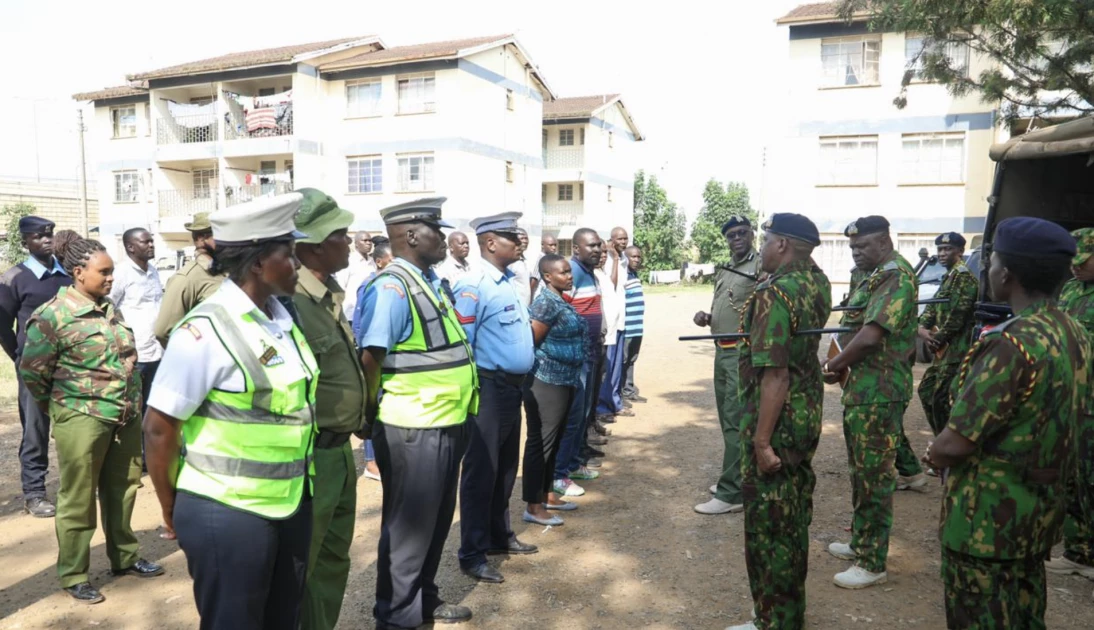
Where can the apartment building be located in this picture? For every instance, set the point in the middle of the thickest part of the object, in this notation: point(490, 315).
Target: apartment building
point(847, 151)
point(590, 160)
point(373, 126)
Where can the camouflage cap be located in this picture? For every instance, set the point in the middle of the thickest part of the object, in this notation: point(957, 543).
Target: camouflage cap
point(1084, 245)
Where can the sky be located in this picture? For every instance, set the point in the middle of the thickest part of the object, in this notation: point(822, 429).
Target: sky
point(700, 78)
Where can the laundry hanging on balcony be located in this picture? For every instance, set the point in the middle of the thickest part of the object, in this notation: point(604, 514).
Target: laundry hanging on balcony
point(192, 116)
point(262, 115)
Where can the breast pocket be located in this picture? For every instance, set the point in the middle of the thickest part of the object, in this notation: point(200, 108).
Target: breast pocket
point(510, 322)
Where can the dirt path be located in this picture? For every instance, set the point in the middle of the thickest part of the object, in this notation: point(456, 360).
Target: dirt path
point(634, 556)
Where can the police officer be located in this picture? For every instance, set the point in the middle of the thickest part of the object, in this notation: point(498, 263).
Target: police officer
point(239, 497)
point(879, 353)
point(422, 385)
point(24, 288)
point(495, 318)
point(733, 286)
point(947, 329)
point(340, 402)
point(779, 372)
point(1077, 300)
point(192, 284)
point(80, 364)
point(1008, 443)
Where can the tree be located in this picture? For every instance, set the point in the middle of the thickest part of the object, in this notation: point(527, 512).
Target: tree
point(719, 204)
point(659, 226)
point(1039, 51)
point(12, 251)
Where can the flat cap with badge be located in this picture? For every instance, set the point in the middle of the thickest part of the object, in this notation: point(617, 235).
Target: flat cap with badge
point(502, 223)
point(320, 216)
point(794, 226)
point(260, 221)
point(734, 221)
point(1084, 245)
point(1032, 238)
point(950, 238)
point(427, 210)
point(35, 225)
point(872, 224)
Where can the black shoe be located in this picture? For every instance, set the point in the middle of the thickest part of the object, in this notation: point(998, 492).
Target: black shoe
point(637, 398)
point(39, 507)
point(484, 573)
point(601, 429)
point(596, 440)
point(605, 418)
point(449, 613)
point(515, 547)
point(142, 569)
point(85, 593)
point(589, 451)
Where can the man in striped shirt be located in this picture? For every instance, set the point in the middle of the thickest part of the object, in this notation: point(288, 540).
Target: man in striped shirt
point(636, 312)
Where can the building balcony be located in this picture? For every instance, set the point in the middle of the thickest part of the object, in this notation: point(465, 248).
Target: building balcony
point(266, 122)
point(562, 213)
point(564, 157)
point(187, 129)
point(241, 194)
point(186, 203)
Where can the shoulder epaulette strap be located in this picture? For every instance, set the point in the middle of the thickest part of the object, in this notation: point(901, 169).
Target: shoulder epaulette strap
point(890, 266)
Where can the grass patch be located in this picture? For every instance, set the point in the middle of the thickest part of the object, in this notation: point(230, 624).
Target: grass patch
point(9, 389)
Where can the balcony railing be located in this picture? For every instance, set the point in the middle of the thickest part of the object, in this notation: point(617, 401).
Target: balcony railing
point(564, 157)
point(263, 122)
point(562, 213)
point(241, 194)
point(184, 203)
point(187, 129)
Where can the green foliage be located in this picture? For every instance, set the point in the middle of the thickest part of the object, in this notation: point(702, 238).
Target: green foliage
point(659, 226)
point(1038, 52)
point(719, 204)
point(12, 251)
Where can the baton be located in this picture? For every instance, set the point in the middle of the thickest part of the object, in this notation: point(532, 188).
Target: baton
point(813, 331)
point(859, 308)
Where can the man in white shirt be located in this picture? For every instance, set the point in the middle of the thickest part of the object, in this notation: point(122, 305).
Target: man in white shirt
point(138, 293)
point(360, 267)
point(455, 265)
point(614, 298)
point(522, 277)
point(548, 245)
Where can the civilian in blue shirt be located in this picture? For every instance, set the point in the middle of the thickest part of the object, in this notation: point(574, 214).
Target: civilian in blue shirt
point(381, 256)
point(636, 314)
point(24, 288)
point(493, 313)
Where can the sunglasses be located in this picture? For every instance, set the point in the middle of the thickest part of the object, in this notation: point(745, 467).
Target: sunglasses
point(736, 234)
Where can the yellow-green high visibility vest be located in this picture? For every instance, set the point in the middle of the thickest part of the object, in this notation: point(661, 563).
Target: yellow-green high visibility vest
point(429, 380)
point(252, 450)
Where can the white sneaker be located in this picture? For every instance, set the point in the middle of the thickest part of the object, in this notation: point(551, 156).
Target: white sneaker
point(856, 577)
point(567, 488)
point(718, 506)
point(714, 488)
point(910, 483)
point(743, 626)
point(1063, 566)
point(842, 551)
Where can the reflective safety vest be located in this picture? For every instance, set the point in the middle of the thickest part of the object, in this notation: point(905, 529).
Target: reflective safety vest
point(429, 380)
point(252, 450)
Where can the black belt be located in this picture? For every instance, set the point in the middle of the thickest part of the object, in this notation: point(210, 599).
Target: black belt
point(513, 379)
point(330, 439)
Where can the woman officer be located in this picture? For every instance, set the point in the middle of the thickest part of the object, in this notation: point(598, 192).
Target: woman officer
point(237, 387)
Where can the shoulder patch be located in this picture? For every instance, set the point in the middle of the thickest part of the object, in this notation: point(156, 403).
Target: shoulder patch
point(469, 295)
point(394, 286)
point(192, 329)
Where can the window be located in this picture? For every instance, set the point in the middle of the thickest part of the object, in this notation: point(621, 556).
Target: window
point(848, 161)
point(933, 158)
point(611, 139)
point(509, 172)
point(204, 182)
point(543, 193)
point(609, 193)
point(147, 119)
point(416, 94)
point(510, 100)
point(544, 139)
point(127, 187)
point(363, 98)
point(581, 191)
point(366, 174)
point(565, 137)
point(956, 52)
point(266, 91)
point(125, 121)
point(850, 61)
point(565, 192)
point(582, 135)
point(415, 173)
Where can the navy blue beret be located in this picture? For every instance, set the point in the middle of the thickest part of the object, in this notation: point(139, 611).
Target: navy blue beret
point(733, 222)
point(867, 225)
point(1027, 236)
point(35, 225)
point(793, 226)
point(950, 238)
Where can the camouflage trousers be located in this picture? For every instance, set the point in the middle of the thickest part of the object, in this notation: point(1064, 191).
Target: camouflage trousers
point(873, 434)
point(778, 510)
point(1079, 524)
point(986, 594)
point(934, 393)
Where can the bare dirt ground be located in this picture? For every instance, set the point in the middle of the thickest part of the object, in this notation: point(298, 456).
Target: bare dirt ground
point(634, 556)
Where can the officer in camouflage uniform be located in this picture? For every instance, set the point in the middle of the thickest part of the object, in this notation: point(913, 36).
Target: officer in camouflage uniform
point(879, 354)
point(1008, 442)
point(780, 375)
point(954, 321)
point(1077, 300)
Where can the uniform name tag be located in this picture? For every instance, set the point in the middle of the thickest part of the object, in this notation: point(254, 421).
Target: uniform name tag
point(270, 356)
point(511, 307)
